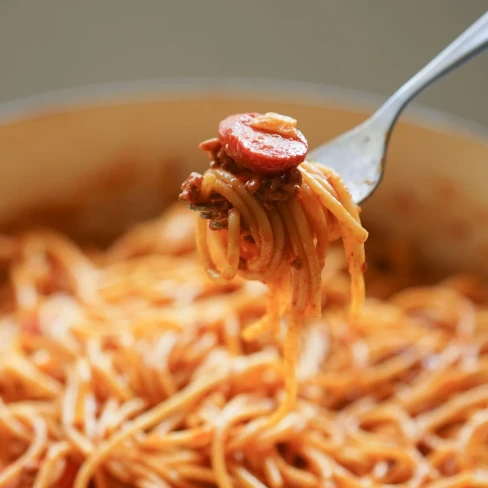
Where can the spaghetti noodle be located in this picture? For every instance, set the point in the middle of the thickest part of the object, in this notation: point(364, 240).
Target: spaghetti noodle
point(273, 223)
point(126, 368)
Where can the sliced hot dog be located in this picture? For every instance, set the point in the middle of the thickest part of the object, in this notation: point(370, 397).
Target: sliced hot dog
point(268, 144)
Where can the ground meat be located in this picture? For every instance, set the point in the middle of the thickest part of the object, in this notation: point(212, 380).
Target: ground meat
point(191, 189)
point(218, 213)
point(268, 189)
point(215, 209)
point(223, 161)
point(276, 189)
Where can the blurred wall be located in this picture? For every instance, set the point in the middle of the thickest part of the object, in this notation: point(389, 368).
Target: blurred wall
point(371, 45)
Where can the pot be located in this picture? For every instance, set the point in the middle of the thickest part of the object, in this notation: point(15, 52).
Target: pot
point(94, 161)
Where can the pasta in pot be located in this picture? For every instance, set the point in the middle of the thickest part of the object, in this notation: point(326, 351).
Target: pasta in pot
point(126, 367)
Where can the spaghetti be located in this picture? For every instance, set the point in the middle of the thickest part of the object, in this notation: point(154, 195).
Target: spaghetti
point(126, 368)
point(272, 221)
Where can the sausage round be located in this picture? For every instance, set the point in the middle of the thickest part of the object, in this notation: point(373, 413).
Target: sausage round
point(260, 150)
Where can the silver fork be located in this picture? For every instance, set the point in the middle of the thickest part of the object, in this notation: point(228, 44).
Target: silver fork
point(359, 155)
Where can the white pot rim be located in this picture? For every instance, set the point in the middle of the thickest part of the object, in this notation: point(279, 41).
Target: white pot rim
point(169, 88)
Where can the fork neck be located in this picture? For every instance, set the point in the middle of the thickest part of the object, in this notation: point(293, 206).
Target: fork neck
point(470, 43)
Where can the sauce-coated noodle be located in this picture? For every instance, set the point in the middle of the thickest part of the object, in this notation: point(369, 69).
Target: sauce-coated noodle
point(264, 216)
point(127, 368)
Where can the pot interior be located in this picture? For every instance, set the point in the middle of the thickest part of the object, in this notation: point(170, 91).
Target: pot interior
point(93, 170)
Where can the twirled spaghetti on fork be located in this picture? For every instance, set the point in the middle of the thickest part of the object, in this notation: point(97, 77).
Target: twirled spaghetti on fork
point(273, 215)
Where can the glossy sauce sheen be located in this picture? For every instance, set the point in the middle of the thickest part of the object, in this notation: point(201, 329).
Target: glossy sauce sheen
point(258, 150)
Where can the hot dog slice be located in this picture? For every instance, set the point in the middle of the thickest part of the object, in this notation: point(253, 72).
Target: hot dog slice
point(264, 143)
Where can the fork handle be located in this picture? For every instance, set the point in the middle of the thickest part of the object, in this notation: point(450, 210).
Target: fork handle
point(471, 42)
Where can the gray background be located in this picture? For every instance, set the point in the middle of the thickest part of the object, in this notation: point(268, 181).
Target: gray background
point(371, 45)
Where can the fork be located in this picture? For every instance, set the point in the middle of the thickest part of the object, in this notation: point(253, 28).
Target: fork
point(359, 155)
